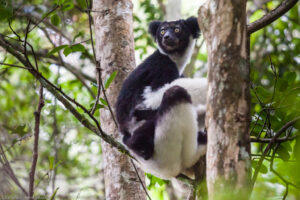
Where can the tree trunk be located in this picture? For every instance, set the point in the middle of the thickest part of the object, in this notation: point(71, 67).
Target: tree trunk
point(115, 52)
point(223, 23)
point(173, 10)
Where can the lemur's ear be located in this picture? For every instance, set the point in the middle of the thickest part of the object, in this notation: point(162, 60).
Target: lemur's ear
point(153, 26)
point(193, 26)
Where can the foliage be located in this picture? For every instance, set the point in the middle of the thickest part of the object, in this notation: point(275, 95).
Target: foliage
point(69, 164)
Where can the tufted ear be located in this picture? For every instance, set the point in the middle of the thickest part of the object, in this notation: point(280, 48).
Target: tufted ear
point(193, 26)
point(153, 26)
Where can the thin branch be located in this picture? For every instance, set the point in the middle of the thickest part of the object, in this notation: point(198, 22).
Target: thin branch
point(9, 170)
point(53, 60)
point(137, 173)
point(268, 140)
point(42, 19)
point(98, 67)
point(98, 70)
point(65, 100)
point(12, 65)
point(62, 63)
point(269, 146)
point(37, 116)
point(270, 17)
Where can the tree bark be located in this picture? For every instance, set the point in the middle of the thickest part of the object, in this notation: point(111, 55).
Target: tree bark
point(223, 23)
point(115, 52)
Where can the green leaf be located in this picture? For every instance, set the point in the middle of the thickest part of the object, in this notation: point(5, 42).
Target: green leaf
point(6, 10)
point(59, 2)
point(74, 48)
point(51, 162)
point(263, 94)
point(58, 163)
point(103, 101)
point(283, 153)
point(67, 51)
point(81, 3)
point(78, 47)
point(202, 57)
point(154, 180)
point(110, 79)
point(263, 169)
point(282, 84)
point(56, 49)
point(290, 76)
point(80, 34)
point(55, 20)
point(20, 130)
point(67, 6)
point(99, 106)
point(54, 193)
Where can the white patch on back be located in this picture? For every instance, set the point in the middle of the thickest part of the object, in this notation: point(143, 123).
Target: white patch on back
point(196, 87)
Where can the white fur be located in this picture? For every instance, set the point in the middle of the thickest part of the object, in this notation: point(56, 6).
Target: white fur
point(196, 87)
point(176, 146)
point(181, 59)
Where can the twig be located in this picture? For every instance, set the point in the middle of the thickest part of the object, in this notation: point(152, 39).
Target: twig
point(268, 140)
point(12, 65)
point(9, 170)
point(41, 20)
point(54, 60)
point(98, 71)
point(270, 17)
point(37, 116)
point(76, 73)
point(98, 67)
point(269, 146)
point(137, 173)
point(16, 34)
point(36, 18)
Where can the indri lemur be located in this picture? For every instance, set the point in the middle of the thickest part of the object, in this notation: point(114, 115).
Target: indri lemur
point(157, 110)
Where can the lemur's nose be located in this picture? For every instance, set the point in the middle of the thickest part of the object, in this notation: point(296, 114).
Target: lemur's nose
point(166, 36)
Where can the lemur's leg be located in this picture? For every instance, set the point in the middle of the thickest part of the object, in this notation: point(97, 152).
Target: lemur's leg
point(177, 127)
point(141, 142)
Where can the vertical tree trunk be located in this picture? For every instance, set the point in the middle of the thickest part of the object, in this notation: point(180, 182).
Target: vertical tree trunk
point(173, 10)
point(228, 102)
point(115, 52)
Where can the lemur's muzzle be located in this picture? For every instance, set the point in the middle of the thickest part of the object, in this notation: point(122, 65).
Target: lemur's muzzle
point(170, 41)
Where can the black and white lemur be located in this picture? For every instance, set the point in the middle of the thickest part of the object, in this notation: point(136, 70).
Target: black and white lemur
point(160, 114)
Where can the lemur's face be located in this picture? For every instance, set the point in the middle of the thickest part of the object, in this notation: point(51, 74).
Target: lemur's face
point(174, 36)
point(170, 36)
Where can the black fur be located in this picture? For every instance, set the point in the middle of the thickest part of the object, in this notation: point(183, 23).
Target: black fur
point(153, 26)
point(202, 137)
point(192, 25)
point(173, 96)
point(142, 140)
point(144, 114)
point(155, 71)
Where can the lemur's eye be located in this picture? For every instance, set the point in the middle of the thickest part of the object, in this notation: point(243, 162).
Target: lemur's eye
point(177, 30)
point(162, 32)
